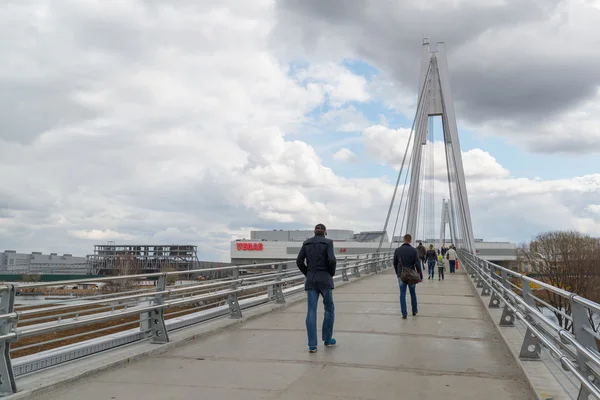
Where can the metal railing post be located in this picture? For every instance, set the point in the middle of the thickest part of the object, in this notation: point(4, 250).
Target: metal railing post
point(531, 347)
point(232, 300)
point(581, 331)
point(271, 289)
point(156, 318)
point(8, 384)
point(357, 267)
point(345, 270)
point(504, 276)
point(485, 269)
point(279, 298)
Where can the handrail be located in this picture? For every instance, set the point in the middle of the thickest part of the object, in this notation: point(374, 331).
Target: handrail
point(149, 309)
point(576, 349)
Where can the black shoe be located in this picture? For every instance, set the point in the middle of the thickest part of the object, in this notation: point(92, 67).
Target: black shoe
point(414, 314)
point(404, 317)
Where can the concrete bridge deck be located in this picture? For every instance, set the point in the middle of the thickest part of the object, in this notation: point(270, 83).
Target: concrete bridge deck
point(451, 350)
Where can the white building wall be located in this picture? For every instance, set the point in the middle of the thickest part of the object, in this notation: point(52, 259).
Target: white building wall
point(284, 250)
point(12, 261)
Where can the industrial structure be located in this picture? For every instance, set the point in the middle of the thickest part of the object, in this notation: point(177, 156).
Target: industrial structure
point(111, 259)
point(282, 245)
point(107, 259)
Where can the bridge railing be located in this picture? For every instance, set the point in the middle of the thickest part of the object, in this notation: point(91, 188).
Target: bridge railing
point(37, 337)
point(575, 349)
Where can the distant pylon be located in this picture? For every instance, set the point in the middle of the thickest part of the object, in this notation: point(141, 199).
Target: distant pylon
point(446, 220)
point(435, 99)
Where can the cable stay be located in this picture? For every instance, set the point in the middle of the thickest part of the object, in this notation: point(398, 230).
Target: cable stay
point(418, 173)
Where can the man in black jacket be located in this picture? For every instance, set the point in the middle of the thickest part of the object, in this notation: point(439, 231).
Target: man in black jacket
point(319, 270)
point(407, 256)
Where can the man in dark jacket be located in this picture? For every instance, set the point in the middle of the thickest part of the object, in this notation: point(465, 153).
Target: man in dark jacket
point(422, 252)
point(319, 270)
point(407, 256)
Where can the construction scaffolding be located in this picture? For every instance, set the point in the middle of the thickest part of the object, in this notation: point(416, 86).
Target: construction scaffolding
point(111, 259)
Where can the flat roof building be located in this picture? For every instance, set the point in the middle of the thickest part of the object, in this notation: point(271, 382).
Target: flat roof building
point(36, 262)
point(283, 245)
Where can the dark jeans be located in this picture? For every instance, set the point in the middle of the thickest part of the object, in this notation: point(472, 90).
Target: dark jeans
point(311, 316)
point(431, 268)
point(452, 265)
point(441, 272)
point(413, 297)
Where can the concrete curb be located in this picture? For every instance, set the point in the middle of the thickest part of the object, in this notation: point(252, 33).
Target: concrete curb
point(58, 377)
point(539, 378)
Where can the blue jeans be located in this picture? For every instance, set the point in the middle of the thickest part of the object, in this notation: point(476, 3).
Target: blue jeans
point(311, 316)
point(431, 268)
point(452, 265)
point(413, 297)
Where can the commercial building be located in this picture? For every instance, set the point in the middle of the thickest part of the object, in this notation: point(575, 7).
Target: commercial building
point(283, 245)
point(12, 262)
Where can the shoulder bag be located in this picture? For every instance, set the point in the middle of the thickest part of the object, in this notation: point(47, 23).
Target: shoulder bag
point(409, 276)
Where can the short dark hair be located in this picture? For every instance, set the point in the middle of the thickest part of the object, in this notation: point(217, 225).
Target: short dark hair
point(320, 227)
point(407, 238)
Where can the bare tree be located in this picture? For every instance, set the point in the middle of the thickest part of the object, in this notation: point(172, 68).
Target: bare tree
point(567, 260)
point(171, 279)
point(124, 266)
point(32, 278)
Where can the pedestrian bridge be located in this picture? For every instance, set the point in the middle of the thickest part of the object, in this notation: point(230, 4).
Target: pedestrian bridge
point(251, 342)
point(484, 332)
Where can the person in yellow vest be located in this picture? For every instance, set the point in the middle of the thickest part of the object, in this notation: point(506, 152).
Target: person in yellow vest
point(441, 267)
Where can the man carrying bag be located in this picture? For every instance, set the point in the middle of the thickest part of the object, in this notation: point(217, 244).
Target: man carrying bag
point(409, 273)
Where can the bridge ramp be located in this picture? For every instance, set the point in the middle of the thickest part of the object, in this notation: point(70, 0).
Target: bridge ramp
point(451, 350)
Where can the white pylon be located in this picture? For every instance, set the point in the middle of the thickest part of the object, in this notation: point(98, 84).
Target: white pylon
point(446, 220)
point(435, 99)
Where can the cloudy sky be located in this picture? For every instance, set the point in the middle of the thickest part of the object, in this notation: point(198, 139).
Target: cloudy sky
point(195, 121)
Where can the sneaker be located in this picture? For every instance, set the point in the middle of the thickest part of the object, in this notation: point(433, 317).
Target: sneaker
point(330, 342)
point(403, 316)
point(414, 314)
point(312, 349)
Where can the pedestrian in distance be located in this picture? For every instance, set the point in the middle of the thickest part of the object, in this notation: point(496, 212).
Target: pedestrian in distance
point(409, 272)
point(422, 254)
point(441, 267)
point(452, 256)
point(431, 260)
point(316, 260)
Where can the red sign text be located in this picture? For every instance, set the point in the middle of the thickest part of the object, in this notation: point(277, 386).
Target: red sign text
point(249, 246)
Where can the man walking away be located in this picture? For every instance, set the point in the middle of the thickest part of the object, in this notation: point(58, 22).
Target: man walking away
point(422, 254)
point(319, 270)
point(407, 256)
point(431, 260)
point(452, 257)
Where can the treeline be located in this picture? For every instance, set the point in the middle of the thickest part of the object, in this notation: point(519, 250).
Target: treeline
point(567, 260)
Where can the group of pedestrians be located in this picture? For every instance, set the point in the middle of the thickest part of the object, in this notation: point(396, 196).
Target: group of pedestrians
point(439, 257)
point(316, 260)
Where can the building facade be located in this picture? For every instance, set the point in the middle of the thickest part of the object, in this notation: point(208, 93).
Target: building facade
point(36, 262)
point(266, 247)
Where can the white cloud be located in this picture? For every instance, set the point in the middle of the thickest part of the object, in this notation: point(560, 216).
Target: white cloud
point(101, 235)
point(346, 155)
point(154, 122)
point(594, 208)
point(337, 81)
point(388, 146)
